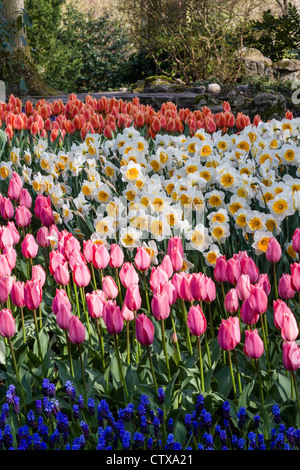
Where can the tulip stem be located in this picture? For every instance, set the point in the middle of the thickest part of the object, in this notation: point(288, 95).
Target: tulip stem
point(128, 342)
point(232, 376)
point(189, 344)
point(152, 368)
point(210, 321)
point(296, 389)
point(93, 276)
point(200, 363)
point(40, 315)
point(82, 371)
point(265, 342)
point(119, 287)
point(275, 281)
point(174, 330)
point(23, 325)
point(120, 366)
point(146, 292)
point(37, 335)
point(82, 293)
point(76, 299)
point(165, 347)
point(14, 360)
point(69, 354)
point(100, 336)
point(207, 350)
point(260, 382)
point(237, 371)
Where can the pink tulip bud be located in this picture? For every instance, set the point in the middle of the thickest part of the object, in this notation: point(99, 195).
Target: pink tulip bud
point(5, 269)
point(158, 277)
point(14, 189)
point(144, 330)
point(169, 290)
point(128, 315)
point(296, 240)
point(25, 198)
point(6, 209)
point(17, 294)
point(208, 289)
point(76, 330)
point(176, 260)
point(249, 267)
point(128, 275)
point(280, 308)
point(60, 298)
point(243, 287)
point(174, 338)
point(76, 257)
point(295, 279)
point(248, 315)
point(133, 298)
point(291, 355)
point(95, 303)
point(233, 270)
point(160, 306)
point(254, 346)
point(114, 320)
point(11, 255)
point(46, 216)
point(101, 256)
point(258, 299)
point(167, 265)
point(32, 294)
point(116, 256)
point(196, 321)
point(142, 259)
point(62, 275)
point(6, 283)
point(6, 238)
point(7, 323)
point(264, 282)
point(23, 216)
point(29, 246)
point(40, 202)
point(175, 243)
point(70, 243)
point(285, 287)
point(220, 269)
point(63, 317)
point(229, 334)
point(109, 287)
point(274, 252)
point(196, 286)
point(39, 274)
point(231, 301)
point(88, 250)
point(14, 232)
point(42, 237)
point(185, 291)
point(81, 275)
point(289, 327)
point(56, 259)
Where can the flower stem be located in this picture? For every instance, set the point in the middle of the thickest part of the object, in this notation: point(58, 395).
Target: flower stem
point(82, 293)
point(146, 292)
point(119, 287)
point(23, 325)
point(200, 363)
point(296, 389)
point(152, 368)
point(83, 376)
point(69, 354)
point(275, 280)
point(37, 335)
point(260, 382)
point(128, 341)
point(100, 336)
point(232, 376)
point(189, 344)
point(165, 347)
point(120, 366)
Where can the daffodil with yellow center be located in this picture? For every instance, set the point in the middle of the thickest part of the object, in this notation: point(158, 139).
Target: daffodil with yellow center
point(4, 172)
point(222, 145)
point(155, 164)
point(103, 196)
point(215, 201)
point(169, 188)
point(255, 224)
point(227, 180)
point(289, 155)
point(243, 145)
point(205, 151)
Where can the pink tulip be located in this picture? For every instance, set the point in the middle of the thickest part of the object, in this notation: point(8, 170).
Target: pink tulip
point(196, 321)
point(101, 256)
point(231, 301)
point(23, 216)
point(220, 269)
point(185, 291)
point(116, 256)
point(291, 355)
point(248, 315)
point(295, 276)
point(25, 198)
point(63, 317)
point(254, 346)
point(176, 260)
point(60, 298)
point(14, 232)
point(274, 252)
point(233, 270)
point(70, 243)
point(144, 330)
point(158, 277)
point(46, 216)
point(56, 259)
point(6, 238)
point(229, 334)
point(14, 189)
point(109, 287)
point(128, 275)
point(280, 308)
point(32, 294)
point(296, 240)
point(29, 246)
point(133, 298)
point(114, 321)
point(39, 274)
point(42, 237)
point(17, 294)
point(40, 202)
point(285, 288)
point(128, 315)
point(167, 266)
point(258, 299)
point(7, 323)
point(249, 267)
point(196, 286)
point(243, 287)
point(5, 269)
point(95, 303)
point(81, 275)
point(169, 290)
point(6, 283)
point(175, 243)
point(142, 259)
point(76, 257)
point(289, 327)
point(11, 255)
point(62, 275)
point(17, 178)
point(6, 209)
point(76, 330)
point(160, 306)
point(88, 250)
point(264, 282)
point(208, 289)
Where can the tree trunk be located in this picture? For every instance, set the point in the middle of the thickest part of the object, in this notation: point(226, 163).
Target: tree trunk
point(11, 10)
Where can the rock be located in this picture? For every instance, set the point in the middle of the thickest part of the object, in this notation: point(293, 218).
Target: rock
point(162, 84)
point(242, 88)
point(138, 87)
point(213, 88)
point(270, 105)
point(196, 89)
point(255, 62)
point(2, 91)
point(287, 69)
